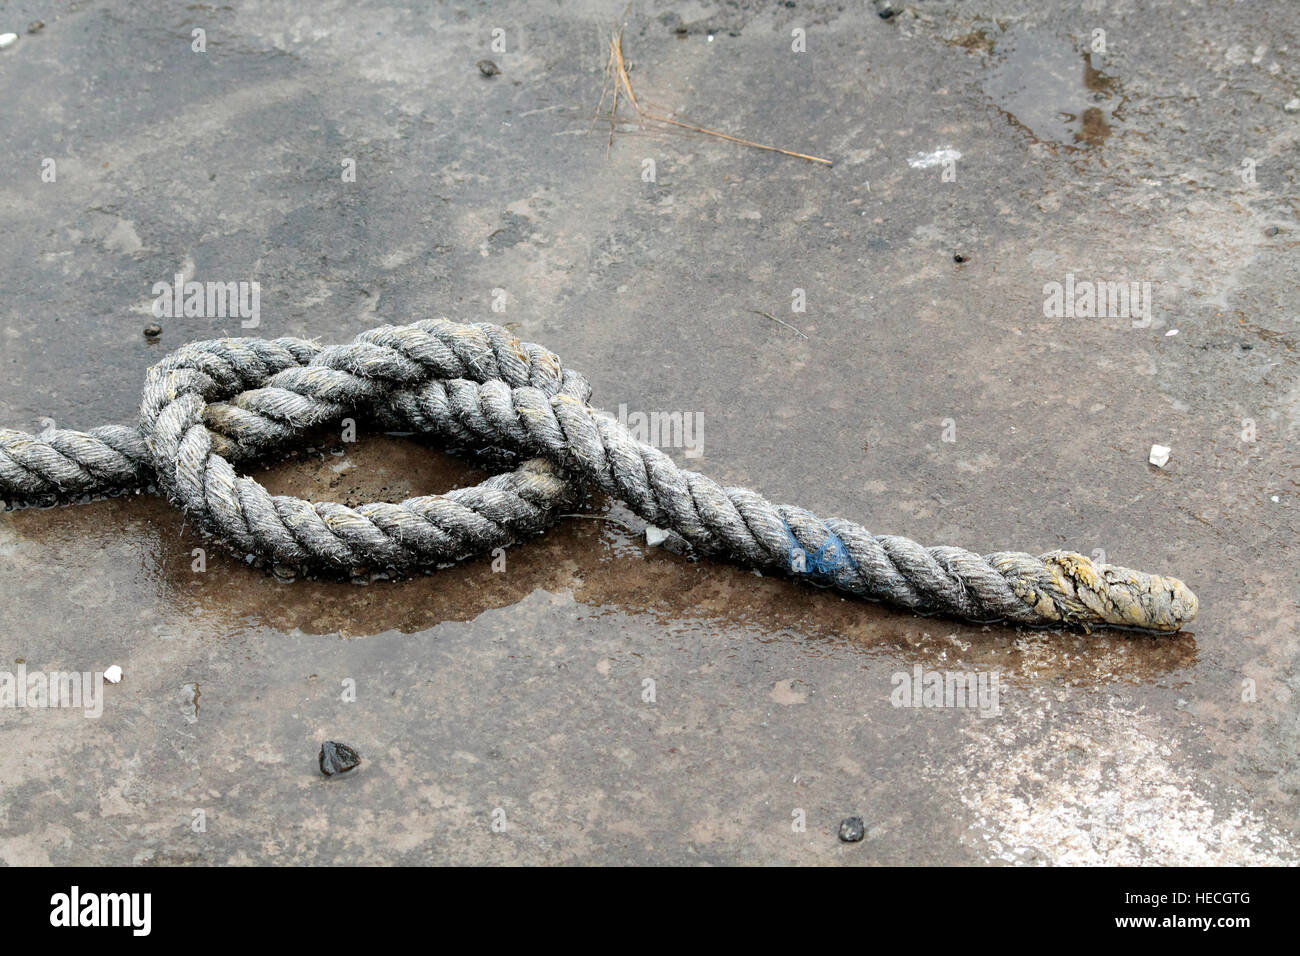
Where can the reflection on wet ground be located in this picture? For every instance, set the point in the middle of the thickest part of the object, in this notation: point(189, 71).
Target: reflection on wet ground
point(1051, 88)
point(598, 558)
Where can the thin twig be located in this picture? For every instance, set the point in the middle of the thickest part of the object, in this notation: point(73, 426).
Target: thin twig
point(604, 89)
point(622, 524)
point(612, 113)
point(736, 139)
point(620, 65)
point(779, 322)
point(617, 65)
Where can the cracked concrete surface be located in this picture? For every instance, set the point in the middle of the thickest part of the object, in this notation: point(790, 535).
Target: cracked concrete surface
point(521, 694)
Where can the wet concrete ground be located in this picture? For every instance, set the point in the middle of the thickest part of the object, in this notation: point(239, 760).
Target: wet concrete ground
point(502, 714)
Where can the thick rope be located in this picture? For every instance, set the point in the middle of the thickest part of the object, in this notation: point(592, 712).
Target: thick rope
point(479, 386)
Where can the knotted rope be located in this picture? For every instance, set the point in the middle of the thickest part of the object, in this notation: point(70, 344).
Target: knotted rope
point(209, 403)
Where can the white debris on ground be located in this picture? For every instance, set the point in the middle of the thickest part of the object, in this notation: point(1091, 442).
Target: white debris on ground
point(945, 154)
point(667, 539)
point(1100, 788)
point(8, 39)
point(1159, 455)
point(113, 674)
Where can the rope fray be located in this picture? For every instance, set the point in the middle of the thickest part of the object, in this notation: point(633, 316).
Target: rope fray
point(209, 404)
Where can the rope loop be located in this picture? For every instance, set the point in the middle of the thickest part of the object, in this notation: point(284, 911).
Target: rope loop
point(209, 404)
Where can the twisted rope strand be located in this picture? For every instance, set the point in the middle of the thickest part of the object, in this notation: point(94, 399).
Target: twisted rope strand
point(1059, 587)
point(477, 385)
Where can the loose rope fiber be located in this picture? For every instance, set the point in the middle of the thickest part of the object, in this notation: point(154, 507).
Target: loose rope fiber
point(209, 403)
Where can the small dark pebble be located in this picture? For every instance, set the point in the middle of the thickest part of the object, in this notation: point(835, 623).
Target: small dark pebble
point(1272, 231)
point(852, 830)
point(958, 258)
point(886, 9)
point(152, 330)
point(337, 758)
point(1246, 346)
point(487, 68)
point(36, 26)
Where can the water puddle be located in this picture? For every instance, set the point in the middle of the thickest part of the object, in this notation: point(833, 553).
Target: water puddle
point(597, 565)
point(1055, 91)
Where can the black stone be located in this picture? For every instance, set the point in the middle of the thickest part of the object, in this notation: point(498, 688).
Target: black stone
point(337, 758)
point(488, 68)
point(852, 829)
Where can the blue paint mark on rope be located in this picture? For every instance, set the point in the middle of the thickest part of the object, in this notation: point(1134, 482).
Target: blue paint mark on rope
point(823, 565)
